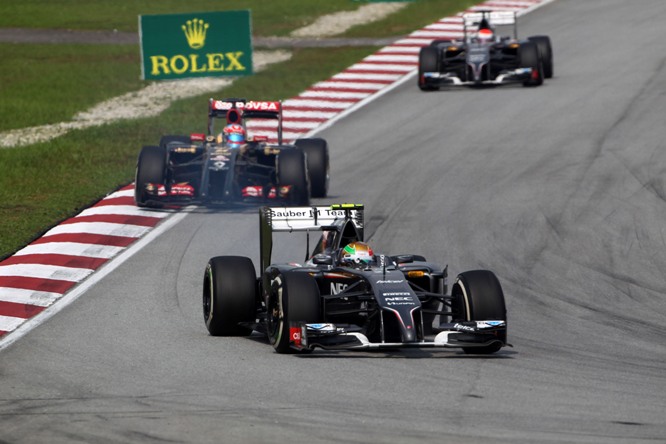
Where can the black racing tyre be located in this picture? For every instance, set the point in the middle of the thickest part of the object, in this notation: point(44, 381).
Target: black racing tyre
point(150, 168)
point(293, 298)
point(546, 53)
point(477, 296)
point(229, 295)
point(174, 138)
point(428, 62)
point(316, 151)
point(528, 55)
point(292, 170)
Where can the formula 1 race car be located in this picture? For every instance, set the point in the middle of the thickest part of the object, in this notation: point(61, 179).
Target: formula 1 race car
point(232, 167)
point(483, 58)
point(346, 297)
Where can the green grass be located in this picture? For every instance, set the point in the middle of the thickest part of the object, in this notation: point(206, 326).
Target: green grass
point(45, 183)
point(269, 17)
point(42, 84)
point(415, 16)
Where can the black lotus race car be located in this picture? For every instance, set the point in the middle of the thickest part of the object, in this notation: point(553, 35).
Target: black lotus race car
point(388, 302)
point(208, 169)
point(483, 58)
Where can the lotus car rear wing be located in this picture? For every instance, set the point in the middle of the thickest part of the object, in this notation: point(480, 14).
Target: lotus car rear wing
point(238, 110)
point(473, 20)
point(290, 219)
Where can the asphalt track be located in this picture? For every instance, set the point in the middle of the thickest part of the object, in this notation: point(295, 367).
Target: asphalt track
point(558, 189)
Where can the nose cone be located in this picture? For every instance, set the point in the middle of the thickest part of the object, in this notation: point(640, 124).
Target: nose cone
point(409, 334)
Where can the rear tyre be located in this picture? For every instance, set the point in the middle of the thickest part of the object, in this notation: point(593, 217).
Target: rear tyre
point(229, 295)
point(316, 151)
point(478, 296)
point(294, 298)
point(150, 169)
point(292, 170)
point(546, 53)
point(428, 62)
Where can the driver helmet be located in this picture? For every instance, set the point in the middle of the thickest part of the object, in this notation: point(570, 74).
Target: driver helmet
point(357, 253)
point(234, 135)
point(485, 33)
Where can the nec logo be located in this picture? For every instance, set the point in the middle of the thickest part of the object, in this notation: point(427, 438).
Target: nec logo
point(337, 287)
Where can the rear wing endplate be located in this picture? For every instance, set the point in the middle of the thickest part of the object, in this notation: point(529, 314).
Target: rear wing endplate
point(290, 219)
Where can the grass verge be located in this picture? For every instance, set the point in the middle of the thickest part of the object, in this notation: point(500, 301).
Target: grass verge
point(268, 17)
point(44, 84)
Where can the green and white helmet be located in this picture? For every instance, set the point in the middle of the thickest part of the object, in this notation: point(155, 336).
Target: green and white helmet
point(357, 253)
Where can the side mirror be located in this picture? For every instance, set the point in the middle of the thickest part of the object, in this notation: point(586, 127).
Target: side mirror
point(403, 259)
point(322, 259)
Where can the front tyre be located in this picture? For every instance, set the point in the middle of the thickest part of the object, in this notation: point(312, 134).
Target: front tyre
point(529, 58)
point(293, 298)
point(229, 295)
point(150, 169)
point(546, 53)
point(428, 62)
point(478, 296)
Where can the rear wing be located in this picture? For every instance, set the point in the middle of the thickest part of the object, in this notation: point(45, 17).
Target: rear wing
point(290, 219)
point(473, 20)
point(239, 110)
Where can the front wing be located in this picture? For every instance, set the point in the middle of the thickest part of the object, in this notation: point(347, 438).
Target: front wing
point(439, 79)
point(345, 337)
point(185, 194)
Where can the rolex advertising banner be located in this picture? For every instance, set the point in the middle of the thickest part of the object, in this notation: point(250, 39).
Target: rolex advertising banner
point(203, 44)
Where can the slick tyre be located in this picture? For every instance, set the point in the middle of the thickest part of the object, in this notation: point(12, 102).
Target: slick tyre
point(316, 151)
point(293, 298)
point(150, 169)
point(292, 170)
point(478, 296)
point(229, 295)
point(428, 62)
point(529, 58)
point(545, 52)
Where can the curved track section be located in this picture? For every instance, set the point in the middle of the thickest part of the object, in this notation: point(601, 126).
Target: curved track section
point(558, 189)
point(41, 274)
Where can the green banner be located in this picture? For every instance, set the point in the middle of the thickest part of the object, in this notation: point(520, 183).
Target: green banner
point(203, 44)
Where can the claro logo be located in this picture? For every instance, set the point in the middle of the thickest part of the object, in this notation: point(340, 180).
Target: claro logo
point(195, 31)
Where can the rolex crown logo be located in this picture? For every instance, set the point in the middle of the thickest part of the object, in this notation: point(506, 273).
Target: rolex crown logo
point(195, 32)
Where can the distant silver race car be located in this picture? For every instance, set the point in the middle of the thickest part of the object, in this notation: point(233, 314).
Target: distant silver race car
point(347, 297)
point(484, 58)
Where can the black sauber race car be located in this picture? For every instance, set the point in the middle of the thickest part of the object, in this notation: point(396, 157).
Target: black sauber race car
point(341, 300)
point(483, 58)
point(209, 169)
